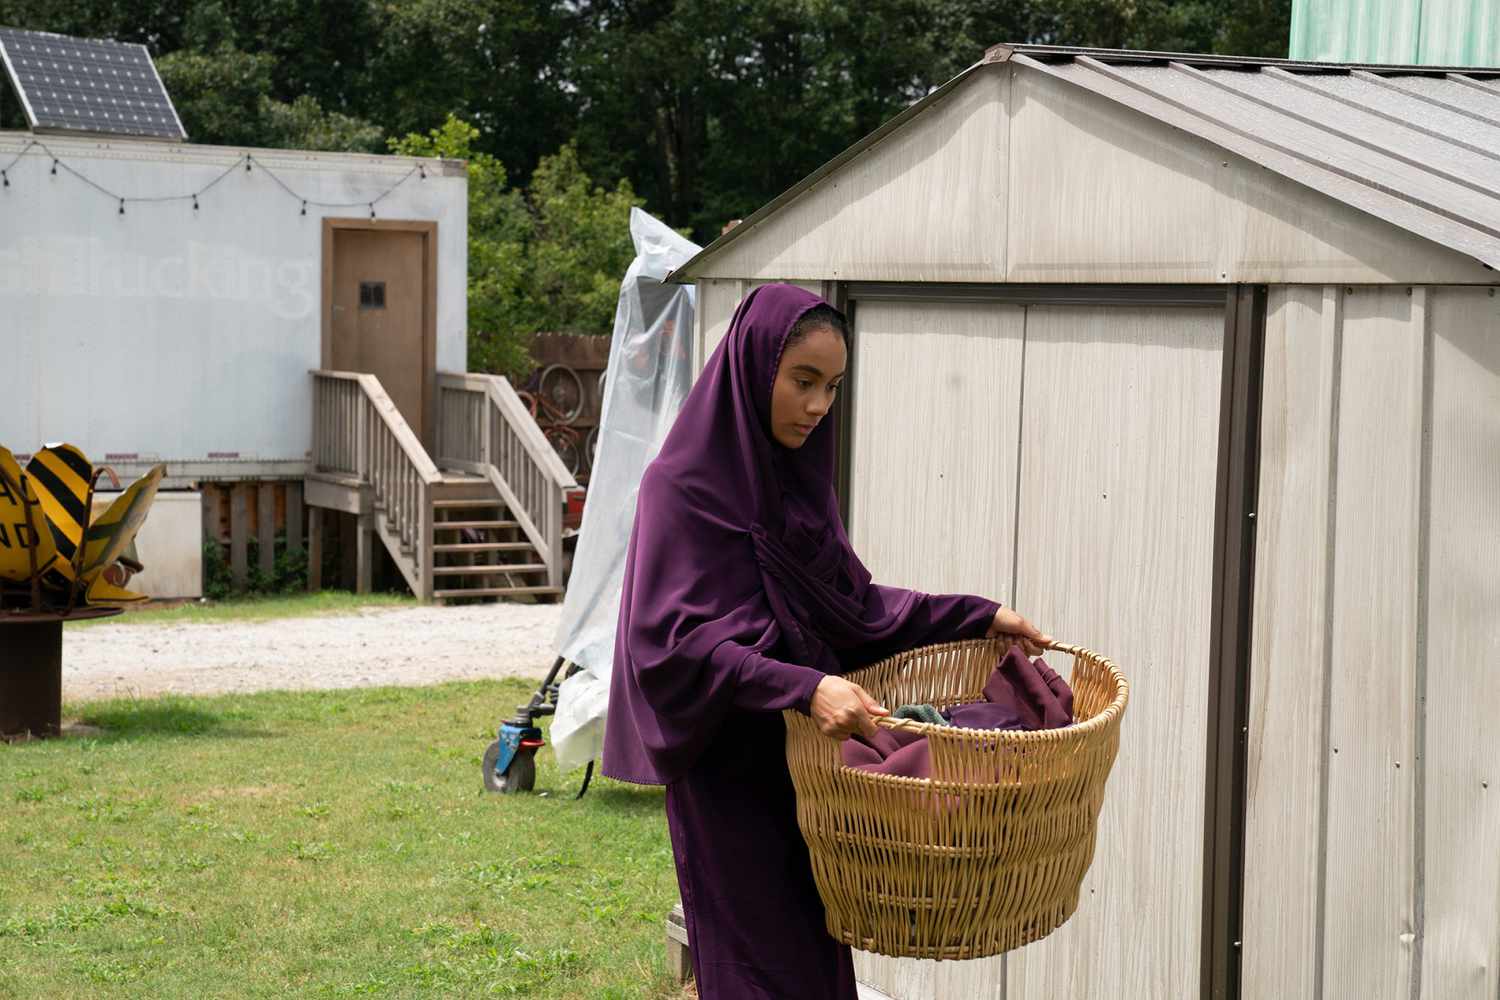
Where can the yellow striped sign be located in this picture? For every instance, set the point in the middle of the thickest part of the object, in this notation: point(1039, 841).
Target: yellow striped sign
point(110, 535)
point(102, 592)
point(61, 476)
point(18, 532)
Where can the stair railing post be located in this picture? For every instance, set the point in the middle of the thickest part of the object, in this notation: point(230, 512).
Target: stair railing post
point(424, 543)
point(361, 438)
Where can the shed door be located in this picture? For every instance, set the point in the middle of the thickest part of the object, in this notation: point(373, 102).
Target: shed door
point(378, 314)
point(1063, 459)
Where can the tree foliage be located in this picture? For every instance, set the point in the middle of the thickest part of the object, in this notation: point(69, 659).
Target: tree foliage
point(549, 258)
point(703, 110)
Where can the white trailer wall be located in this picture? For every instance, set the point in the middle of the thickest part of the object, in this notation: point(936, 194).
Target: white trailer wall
point(178, 334)
point(1374, 770)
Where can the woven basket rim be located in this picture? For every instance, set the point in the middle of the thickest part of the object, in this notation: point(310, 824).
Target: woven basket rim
point(1078, 732)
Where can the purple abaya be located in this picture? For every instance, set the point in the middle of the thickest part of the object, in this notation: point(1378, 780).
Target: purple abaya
point(740, 593)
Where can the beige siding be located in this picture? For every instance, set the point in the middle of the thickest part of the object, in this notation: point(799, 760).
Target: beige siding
point(1017, 176)
point(925, 204)
point(936, 430)
point(1101, 193)
point(1288, 671)
point(1371, 774)
point(1391, 886)
point(936, 436)
point(1462, 834)
point(1115, 543)
point(717, 301)
point(1118, 418)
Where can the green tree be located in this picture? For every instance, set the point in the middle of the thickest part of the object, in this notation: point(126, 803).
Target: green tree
point(499, 230)
point(549, 259)
point(579, 248)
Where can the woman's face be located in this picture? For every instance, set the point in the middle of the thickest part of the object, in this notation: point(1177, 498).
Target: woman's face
point(806, 385)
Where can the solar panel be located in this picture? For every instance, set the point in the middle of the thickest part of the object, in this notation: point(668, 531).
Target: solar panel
point(88, 85)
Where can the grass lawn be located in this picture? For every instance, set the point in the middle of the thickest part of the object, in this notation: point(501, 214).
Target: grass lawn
point(252, 609)
point(320, 844)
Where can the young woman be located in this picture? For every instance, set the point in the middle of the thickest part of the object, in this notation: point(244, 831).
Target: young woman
point(742, 598)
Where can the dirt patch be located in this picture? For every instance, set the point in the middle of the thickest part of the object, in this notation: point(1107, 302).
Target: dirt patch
point(375, 646)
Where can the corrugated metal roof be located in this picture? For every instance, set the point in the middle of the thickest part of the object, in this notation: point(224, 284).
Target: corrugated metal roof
point(1466, 32)
point(1416, 146)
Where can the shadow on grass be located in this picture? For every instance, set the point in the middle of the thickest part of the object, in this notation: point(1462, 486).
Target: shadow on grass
point(626, 800)
point(163, 717)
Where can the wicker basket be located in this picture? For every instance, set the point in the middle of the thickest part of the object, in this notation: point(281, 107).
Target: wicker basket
point(986, 855)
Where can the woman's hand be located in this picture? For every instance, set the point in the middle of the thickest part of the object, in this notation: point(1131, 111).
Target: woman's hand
point(842, 708)
point(1007, 622)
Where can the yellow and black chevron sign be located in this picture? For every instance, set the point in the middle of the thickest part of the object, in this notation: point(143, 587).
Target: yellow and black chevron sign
point(21, 531)
point(61, 475)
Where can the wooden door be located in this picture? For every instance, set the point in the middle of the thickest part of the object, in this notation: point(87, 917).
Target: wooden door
point(379, 304)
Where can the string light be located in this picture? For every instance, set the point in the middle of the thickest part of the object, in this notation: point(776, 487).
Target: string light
point(420, 170)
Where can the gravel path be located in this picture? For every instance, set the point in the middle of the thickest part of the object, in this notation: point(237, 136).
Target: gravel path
point(375, 646)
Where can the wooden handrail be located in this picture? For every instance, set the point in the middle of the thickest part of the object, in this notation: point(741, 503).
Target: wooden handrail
point(483, 427)
point(358, 432)
point(394, 421)
point(504, 395)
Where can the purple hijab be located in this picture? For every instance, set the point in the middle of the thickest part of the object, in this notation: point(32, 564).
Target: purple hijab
point(738, 555)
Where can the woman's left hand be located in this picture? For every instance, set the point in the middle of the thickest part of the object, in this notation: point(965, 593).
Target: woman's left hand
point(1031, 638)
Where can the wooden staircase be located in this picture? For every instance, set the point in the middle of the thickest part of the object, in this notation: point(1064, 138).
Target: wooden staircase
point(481, 551)
point(482, 519)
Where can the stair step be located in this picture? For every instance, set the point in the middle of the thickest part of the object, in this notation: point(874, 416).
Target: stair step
point(495, 592)
point(485, 547)
point(461, 504)
point(489, 569)
point(455, 525)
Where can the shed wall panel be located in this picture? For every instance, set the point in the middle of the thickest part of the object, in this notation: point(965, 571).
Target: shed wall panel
point(925, 204)
point(1286, 768)
point(1369, 934)
point(1102, 193)
point(934, 510)
point(1462, 755)
point(1115, 552)
point(1021, 174)
point(717, 301)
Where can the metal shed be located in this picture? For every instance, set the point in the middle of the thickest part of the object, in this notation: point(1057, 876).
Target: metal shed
point(1196, 361)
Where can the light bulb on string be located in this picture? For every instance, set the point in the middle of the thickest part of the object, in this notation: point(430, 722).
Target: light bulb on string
point(6, 176)
point(372, 210)
point(122, 206)
point(54, 166)
point(304, 206)
point(195, 202)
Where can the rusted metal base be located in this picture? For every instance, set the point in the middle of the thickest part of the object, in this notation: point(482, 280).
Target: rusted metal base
point(31, 669)
point(31, 678)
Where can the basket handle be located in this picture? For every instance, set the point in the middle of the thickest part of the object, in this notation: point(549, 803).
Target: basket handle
point(913, 726)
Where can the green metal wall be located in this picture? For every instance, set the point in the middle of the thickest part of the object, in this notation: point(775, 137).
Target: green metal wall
point(1422, 32)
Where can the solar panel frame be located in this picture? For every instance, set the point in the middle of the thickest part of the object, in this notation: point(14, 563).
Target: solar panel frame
point(80, 67)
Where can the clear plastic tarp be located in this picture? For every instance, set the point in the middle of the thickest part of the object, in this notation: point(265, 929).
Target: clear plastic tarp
point(649, 374)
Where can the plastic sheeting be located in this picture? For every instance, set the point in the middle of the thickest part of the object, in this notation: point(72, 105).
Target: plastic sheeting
point(650, 372)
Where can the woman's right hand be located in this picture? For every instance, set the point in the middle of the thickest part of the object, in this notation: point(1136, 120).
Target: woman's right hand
point(842, 708)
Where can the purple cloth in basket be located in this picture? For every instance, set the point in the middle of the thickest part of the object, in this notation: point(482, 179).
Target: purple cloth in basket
point(1020, 694)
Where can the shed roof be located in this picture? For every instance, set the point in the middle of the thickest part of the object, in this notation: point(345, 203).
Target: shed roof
point(1416, 146)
